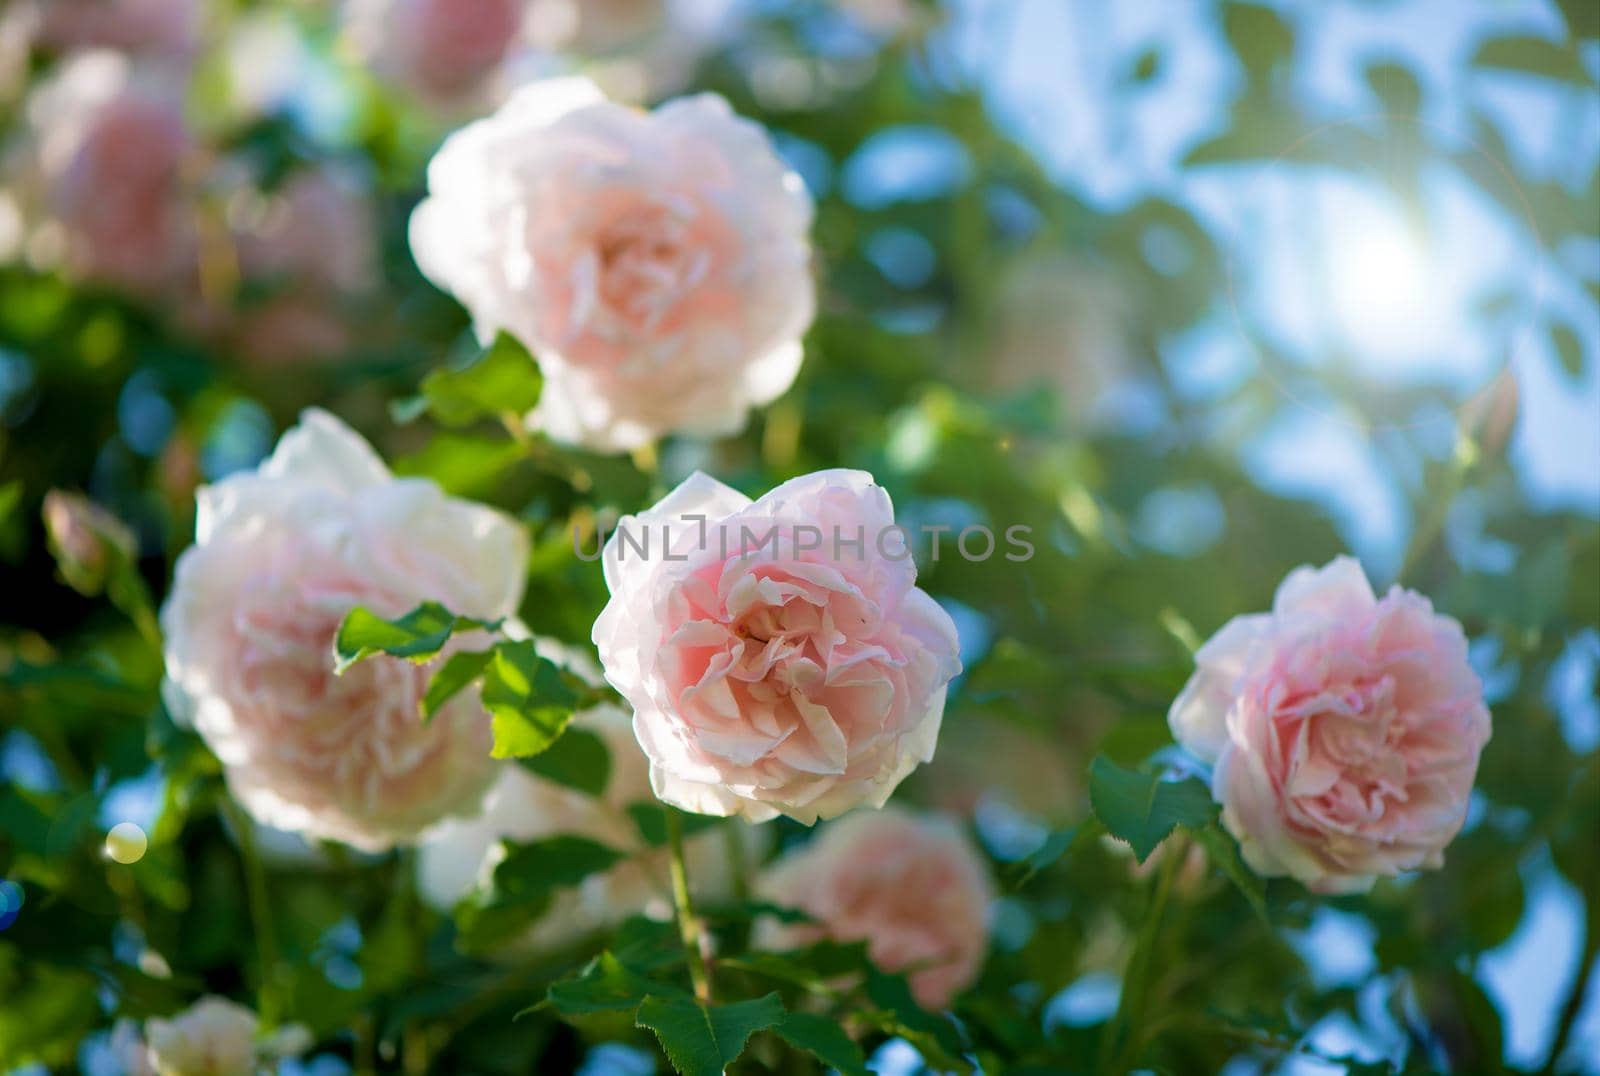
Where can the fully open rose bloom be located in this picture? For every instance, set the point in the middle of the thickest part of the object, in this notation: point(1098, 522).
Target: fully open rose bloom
point(1345, 729)
point(773, 666)
point(912, 888)
point(656, 263)
point(281, 554)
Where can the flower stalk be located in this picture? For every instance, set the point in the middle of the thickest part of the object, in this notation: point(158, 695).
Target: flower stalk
point(689, 927)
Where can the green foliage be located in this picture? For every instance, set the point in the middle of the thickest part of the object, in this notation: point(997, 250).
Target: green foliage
point(1072, 655)
point(418, 636)
point(502, 381)
point(1142, 808)
point(577, 759)
point(530, 699)
point(522, 885)
point(702, 1040)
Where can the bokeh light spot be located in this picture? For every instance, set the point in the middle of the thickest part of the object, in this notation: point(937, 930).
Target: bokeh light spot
point(126, 843)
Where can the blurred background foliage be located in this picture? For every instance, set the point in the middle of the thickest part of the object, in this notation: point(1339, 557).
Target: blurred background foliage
point(1199, 292)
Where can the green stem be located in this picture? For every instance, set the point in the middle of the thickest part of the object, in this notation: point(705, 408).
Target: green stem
point(1135, 981)
point(688, 925)
point(733, 836)
point(255, 878)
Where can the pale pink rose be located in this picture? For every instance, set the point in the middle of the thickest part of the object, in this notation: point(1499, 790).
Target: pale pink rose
point(214, 1037)
point(766, 677)
point(111, 149)
point(524, 807)
point(1345, 729)
point(443, 51)
point(913, 889)
point(281, 554)
point(164, 27)
point(657, 264)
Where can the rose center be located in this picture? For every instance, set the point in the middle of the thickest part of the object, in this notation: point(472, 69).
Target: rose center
point(647, 264)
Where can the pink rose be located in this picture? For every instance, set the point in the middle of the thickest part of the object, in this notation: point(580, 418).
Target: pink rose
point(166, 27)
point(111, 155)
point(774, 665)
point(656, 263)
point(1345, 729)
point(441, 50)
point(913, 889)
point(281, 554)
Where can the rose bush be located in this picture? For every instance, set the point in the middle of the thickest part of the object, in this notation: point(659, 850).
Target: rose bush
point(1044, 294)
point(767, 678)
point(657, 264)
point(281, 554)
point(1345, 729)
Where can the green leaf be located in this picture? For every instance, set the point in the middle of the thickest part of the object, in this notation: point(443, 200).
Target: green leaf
point(1141, 808)
point(1223, 851)
point(1396, 87)
point(533, 867)
point(528, 698)
point(606, 984)
point(824, 1040)
point(1054, 847)
point(504, 378)
point(463, 464)
point(1533, 56)
point(811, 966)
point(417, 636)
point(1569, 349)
point(701, 1040)
point(523, 883)
point(933, 1036)
point(651, 821)
point(458, 671)
point(578, 759)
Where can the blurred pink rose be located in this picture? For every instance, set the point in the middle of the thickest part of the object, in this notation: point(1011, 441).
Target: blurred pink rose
point(214, 1036)
point(772, 669)
point(913, 889)
point(656, 263)
point(1345, 729)
point(441, 50)
point(281, 554)
point(111, 156)
point(166, 27)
